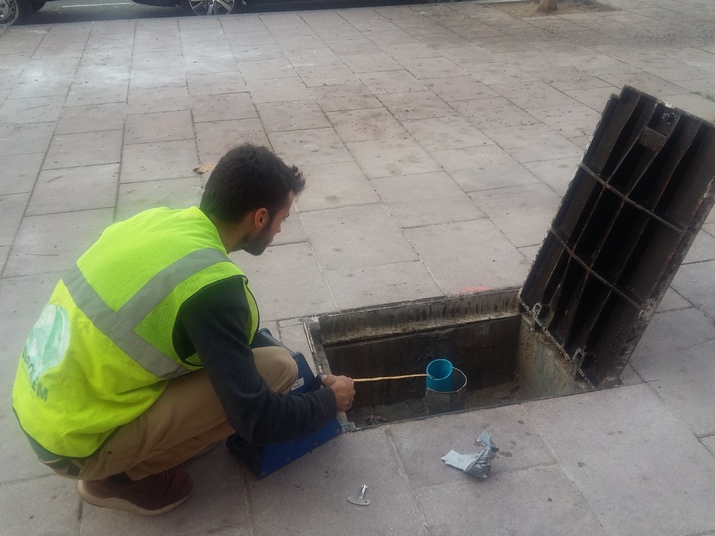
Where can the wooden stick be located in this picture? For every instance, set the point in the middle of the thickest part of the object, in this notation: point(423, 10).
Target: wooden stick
point(358, 380)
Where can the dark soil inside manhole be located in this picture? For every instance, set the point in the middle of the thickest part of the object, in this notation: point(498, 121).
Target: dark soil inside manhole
point(566, 7)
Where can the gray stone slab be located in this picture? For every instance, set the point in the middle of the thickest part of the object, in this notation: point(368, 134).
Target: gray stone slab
point(483, 168)
point(420, 444)
point(571, 120)
point(326, 75)
point(344, 97)
point(13, 208)
point(276, 90)
point(91, 118)
point(286, 281)
point(19, 139)
point(556, 174)
point(492, 112)
point(695, 283)
point(381, 83)
point(611, 445)
point(540, 501)
point(335, 185)
point(391, 157)
point(47, 505)
point(434, 67)
point(702, 249)
point(312, 57)
point(370, 62)
point(33, 87)
point(291, 115)
point(215, 83)
point(71, 189)
point(416, 105)
point(321, 483)
point(222, 107)
point(498, 72)
point(569, 78)
point(444, 133)
point(153, 100)
point(156, 78)
point(594, 98)
point(31, 110)
point(291, 231)
point(672, 301)
point(533, 143)
point(84, 149)
point(365, 124)
point(85, 93)
point(215, 138)
point(695, 104)
point(155, 161)
point(135, 197)
point(158, 127)
point(52, 242)
point(312, 146)
point(19, 172)
point(356, 237)
point(523, 213)
point(272, 68)
point(468, 255)
point(377, 285)
point(426, 199)
point(457, 88)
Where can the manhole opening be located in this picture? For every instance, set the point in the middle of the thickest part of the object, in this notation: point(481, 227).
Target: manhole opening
point(503, 357)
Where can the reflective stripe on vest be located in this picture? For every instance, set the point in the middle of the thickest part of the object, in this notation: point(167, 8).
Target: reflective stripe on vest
point(119, 325)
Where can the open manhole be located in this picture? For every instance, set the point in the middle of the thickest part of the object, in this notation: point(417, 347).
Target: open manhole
point(638, 199)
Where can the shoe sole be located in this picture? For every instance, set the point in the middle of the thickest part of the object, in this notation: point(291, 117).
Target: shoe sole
point(120, 504)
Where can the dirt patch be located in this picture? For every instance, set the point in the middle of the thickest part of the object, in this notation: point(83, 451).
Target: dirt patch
point(566, 7)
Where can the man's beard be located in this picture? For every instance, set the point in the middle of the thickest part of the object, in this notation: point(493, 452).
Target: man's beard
point(256, 246)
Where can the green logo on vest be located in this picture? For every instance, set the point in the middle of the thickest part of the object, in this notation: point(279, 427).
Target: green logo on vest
point(46, 345)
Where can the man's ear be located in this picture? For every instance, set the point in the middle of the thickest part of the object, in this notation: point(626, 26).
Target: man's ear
point(261, 218)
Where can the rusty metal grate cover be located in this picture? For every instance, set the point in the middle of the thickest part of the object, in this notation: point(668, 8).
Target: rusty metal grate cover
point(634, 207)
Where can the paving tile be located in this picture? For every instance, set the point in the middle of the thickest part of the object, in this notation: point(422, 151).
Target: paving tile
point(158, 127)
point(312, 57)
point(532, 143)
point(84, 149)
point(443, 133)
point(483, 168)
point(416, 105)
point(391, 157)
point(470, 54)
point(377, 285)
point(292, 231)
point(214, 60)
point(356, 237)
point(455, 88)
point(672, 301)
point(335, 185)
point(321, 483)
point(13, 208)
point(291, 115)
point(326, 75)
point(614, 456)
point(425, 199)
point(215, 83)
point(695, 104)
point(384, 82)
point(493, 112)
point(215, 138)
point(523, 213)
point(370, 62)
point(165, 99)
point(135, 197)
point(571, 119)
point(556, 174)
point(497, 73)
point(156, 161)
point(52, 242)
point(647, 83)
point(157, 78)
point(20, 139)
point(19, 172)
point(464, 255)
point(31, 109)
point(344, 97)
point(218, 501)
point(99, 92)
point(276, 90)
point(695, 283)
point(286, 281)
point(54, 496)
point(91, 118)
point(421, 444)
point(36, 88)
point(702, 249)
point(365, 124)
point(266, 69)
point(352, 44)
point(72, 189)
point(312, 146)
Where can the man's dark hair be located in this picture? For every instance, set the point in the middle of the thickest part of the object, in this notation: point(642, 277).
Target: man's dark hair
point(246, 178)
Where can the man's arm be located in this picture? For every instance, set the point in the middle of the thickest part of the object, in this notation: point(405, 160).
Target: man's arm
point(213, 323)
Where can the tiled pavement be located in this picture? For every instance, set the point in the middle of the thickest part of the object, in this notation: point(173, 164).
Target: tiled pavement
point(437, 141)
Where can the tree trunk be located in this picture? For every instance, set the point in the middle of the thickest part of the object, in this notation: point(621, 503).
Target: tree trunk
point(547, 5)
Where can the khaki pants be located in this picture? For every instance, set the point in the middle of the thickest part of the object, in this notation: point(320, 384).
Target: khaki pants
point(186, 419)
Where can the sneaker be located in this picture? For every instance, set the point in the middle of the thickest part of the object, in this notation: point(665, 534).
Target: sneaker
point(150, 496)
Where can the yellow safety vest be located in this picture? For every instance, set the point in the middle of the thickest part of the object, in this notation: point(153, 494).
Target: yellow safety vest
point(101, 352)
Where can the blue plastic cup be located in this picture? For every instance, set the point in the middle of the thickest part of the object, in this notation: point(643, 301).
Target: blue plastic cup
point(439, 375)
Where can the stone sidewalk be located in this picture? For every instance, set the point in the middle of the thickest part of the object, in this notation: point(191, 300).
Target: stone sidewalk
point(437, 141)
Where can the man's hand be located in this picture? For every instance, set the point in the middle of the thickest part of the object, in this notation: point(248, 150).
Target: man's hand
point(343, 388)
